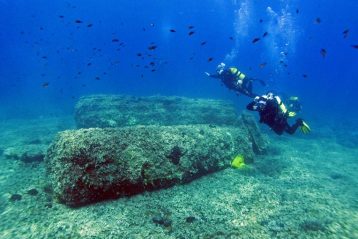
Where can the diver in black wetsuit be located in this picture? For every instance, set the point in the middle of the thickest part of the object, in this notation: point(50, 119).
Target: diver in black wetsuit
point(275, 114)
point(235, 80)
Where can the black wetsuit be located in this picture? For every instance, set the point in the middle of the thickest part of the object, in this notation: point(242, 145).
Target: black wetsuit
point(231, 82)
point(271, 114)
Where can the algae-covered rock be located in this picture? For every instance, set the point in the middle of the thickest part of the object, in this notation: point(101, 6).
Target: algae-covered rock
point(89, 165)
point(118, 111)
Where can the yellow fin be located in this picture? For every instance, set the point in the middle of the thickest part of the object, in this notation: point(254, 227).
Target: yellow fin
point(238, 162)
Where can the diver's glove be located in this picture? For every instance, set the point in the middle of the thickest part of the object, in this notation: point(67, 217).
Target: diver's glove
point(291, 114)
point(304, 127)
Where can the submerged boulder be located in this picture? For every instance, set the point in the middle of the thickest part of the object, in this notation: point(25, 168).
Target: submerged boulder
point(118, 111)
point(90, 165)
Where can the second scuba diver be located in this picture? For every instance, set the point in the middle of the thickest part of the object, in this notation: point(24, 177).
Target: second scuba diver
point(274, 113)
point(235, 80)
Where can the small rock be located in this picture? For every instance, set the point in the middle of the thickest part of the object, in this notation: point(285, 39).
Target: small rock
point(160, 220)
point(47, 189)
point(190, 219)
point(15, 197)
point(312, 225)
point(33, 192)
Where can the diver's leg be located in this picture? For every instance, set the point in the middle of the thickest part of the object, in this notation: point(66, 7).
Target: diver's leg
point(292, 129)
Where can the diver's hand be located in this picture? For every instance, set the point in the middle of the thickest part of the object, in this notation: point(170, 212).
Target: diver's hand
point(207, 73)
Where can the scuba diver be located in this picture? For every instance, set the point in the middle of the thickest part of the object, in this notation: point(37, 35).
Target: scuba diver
point(275, 114)
point(235, 80)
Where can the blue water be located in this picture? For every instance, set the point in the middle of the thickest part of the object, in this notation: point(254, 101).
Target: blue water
point(42, 44)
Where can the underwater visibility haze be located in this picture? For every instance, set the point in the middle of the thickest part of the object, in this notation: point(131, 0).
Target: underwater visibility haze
point(88, 85)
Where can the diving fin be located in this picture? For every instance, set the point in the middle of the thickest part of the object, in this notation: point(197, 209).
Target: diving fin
point(305, 128)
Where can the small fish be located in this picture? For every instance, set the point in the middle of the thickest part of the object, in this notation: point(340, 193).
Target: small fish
point(90, 25)
point(172, 30)
point(304, 75)
point(152, 63)
point(78, 21)
point(262, 65)
point(190, 27)
point(88, 64)
point(261, 21)
point(255, 40)
point(203, 43)
point(115, 40)
point(318, 20)
point(41, 28)
point(44, 57)
point(139, 54)
point(141, 75)
point(323, 52)
point(152, 47)
point(345, 33)
point(153, 70)
point(61, 16)
point(354, 46)
point(231, 38)
point(210, 59)
point(265, 34)
point(191, 33)
point(297, 11)
point(45, 84)
point(97, 78)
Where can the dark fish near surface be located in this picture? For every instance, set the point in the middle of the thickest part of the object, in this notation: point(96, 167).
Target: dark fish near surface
point(152, 47)
point(139, 54)
point(262, 65)
point(261, 21)
point(355, 46)
point(172, 30)
point(203, 43)
point(61, 16)
point(90, 25)
point(345, 33)
point(231, 38)
point(255, 40)
point(210, 59)
point(45, 84)
point(115, 40)
point(304, 75)
point(297, 11)
point(88, 64)
point(191, 33)
point(190, 27)
point(265, 34)
point(323, 52)
point(318, 20)
point(78, 21)
point(97, 78)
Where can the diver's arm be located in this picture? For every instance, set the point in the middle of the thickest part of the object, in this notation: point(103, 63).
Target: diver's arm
point(251, 105)
point(217, 76)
